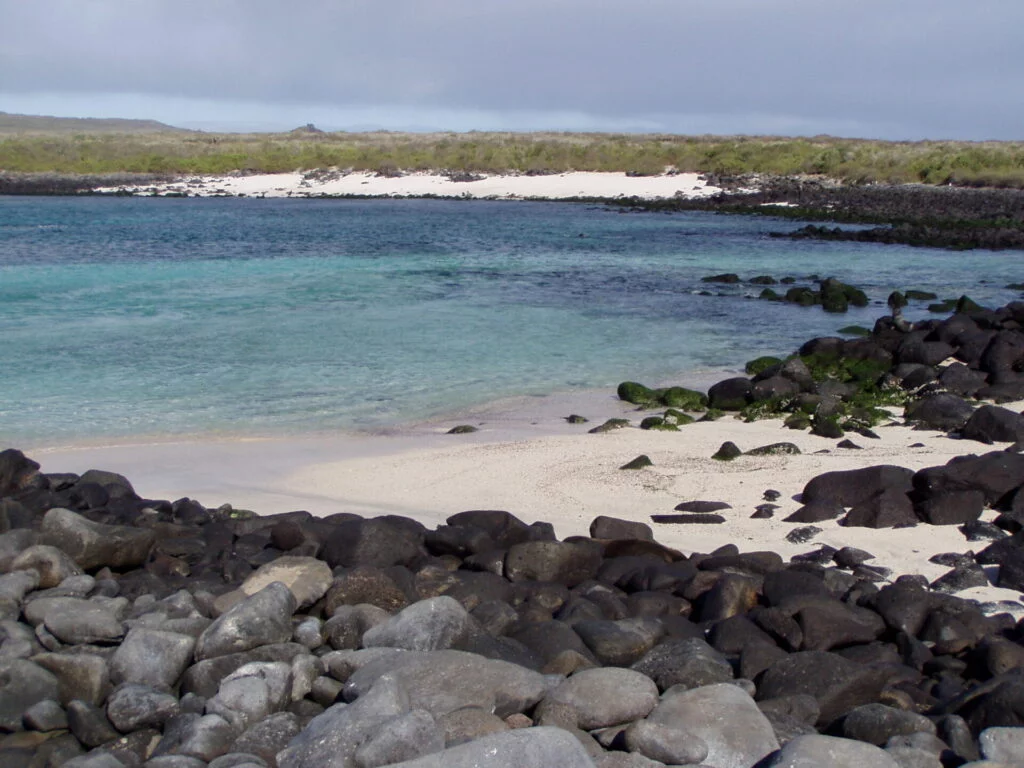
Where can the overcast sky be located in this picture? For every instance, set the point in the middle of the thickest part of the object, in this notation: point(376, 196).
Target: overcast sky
point(896, 69)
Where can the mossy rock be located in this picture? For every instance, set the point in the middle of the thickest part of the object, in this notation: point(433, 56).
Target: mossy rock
point(788, 280)
point(896, 300)
point(764, 409)
point(727, 452)
point(966, 304)
point(833, 296)
point(681, 397)
point(610, 425)
point(641, 461)
point(775, 449)
point(638, 394)
point(1015, 287)
point(763, 280)
point(758, 364)
point(824, 367)
point(672, 416)
point(769, 295)
point(797, 421)
point(920, 295)
point(657, 422)
point(462, 429)
point(712, 414)
point(576, 419)
point(803, 296)
point(826, 426)
point(855, 296)
point(727, 277)
point(854, 330)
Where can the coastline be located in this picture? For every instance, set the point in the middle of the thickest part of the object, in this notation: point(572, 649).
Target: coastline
point(540, 468)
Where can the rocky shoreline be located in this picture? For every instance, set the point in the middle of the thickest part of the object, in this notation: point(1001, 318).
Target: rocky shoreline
point(909, 214)
point(163, 633)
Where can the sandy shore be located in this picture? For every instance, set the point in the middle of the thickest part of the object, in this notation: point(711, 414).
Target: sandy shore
point(488, 186)
point(530, 462)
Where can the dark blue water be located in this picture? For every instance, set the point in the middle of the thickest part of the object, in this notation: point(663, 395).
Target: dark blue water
point(131, 316)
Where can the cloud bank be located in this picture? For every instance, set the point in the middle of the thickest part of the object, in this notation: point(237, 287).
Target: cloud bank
point(912, 69)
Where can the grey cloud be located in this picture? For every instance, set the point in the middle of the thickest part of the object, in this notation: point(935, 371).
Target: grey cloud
point(915, 67)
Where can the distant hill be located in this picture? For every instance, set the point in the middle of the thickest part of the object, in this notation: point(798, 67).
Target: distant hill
point(42, 124)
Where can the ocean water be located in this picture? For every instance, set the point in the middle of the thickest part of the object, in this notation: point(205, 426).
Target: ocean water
point(132, 317)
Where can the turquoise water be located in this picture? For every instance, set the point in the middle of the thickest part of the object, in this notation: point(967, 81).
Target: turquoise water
point(126, 317)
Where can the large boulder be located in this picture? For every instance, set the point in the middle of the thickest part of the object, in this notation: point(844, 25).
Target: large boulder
point(380, 542)
point(689, 662)
point(952, 508)
point(837, 684)
point(607, 696)
point(53, 565)
point(264, 618)
point(816, 751)
point(152, 657)
point(332, 738)
point(730, 394)
point(621, 642)
point(994, 424)
point(569, 563)
point(22, 685)
point(307, 578)
point(503, 527)
point(996, 474)
point(847, 488)
point(942, 411)
point(725, 718)
point(443, 681)
point(540, 747)
point(890, 508)
point(427, 625)
point(16, 470)
point(94, 545)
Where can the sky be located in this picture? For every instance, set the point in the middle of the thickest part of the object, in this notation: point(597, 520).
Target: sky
point(890, 69)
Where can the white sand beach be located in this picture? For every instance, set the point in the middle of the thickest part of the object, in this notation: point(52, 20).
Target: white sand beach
point(530, 462)
point(560, 186)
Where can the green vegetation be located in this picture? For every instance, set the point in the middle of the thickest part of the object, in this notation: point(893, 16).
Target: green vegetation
point(932, 162)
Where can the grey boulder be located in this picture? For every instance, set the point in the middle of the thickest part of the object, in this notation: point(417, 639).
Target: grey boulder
point(428, 625)
point(151, 657)
point(53, 565)
point(307, 578)
point(607, 696)
point(81, 622)
point(815, 751)
point(132, 707)
point(402, 738)
point(541, 747)
point(94, 545)
point(666, 743)
point(1002, 744)
point(443, 681)
point(265, 618)
point(725, 718)
point(252, 692)
point(332, 738)
point(22, 685)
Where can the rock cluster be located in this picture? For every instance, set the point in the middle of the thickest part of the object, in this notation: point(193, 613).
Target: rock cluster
point(147, 632)
point(937, 370)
